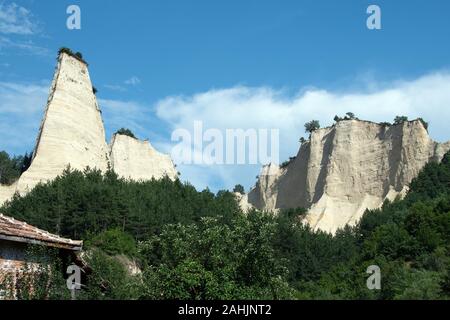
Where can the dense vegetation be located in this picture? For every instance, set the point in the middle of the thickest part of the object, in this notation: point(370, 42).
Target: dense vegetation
point(12, 167)
point(79, 204)
point(197, 245)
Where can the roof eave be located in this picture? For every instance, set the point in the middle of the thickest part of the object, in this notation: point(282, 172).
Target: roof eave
point(77, 246)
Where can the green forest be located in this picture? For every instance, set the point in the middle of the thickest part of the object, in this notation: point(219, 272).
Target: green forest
point(12, 167)
point(199, 245)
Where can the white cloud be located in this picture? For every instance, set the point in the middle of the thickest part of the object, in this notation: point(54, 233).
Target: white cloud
point(15, 19)
point(17, 25)
point(243, 107)
point(127, 114)
point(114, 87)
point(21, 111)
point(137, 117)
point(27, 46)
point(23, 99)
point(133, 81)
point(22, 105)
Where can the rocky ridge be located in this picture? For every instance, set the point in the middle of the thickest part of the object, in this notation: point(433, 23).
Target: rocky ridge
point(345, 169)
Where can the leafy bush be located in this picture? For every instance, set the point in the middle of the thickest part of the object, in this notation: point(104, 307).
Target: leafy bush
point(425, 124)
point(108, 279)
point(287, 162)
point(68, 51)
point(312, 126)
point(337, 118)
point(239, 189)
point(211, 260)
point(114, 242)
point(350, 116)
point(400, 119)
point(126, 132)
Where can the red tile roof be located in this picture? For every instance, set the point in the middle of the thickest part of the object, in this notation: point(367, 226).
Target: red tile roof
point(17, 231)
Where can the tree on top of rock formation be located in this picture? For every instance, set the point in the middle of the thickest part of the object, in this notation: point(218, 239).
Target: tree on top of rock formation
point(400, 119)
point(126, 132)
point(239, 189)
point(65, 50)
point(337, 118)
point(350, 116)
point(68, 51)
point(425, 124)
point(287, 162)
point(312, 126)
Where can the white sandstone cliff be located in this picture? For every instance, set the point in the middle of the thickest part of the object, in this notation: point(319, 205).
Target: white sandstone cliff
point(138, 160)
point(345, 169)
point(72, 133)
point(6, 192)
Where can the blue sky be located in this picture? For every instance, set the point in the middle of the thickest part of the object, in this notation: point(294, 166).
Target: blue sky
point(304, 59)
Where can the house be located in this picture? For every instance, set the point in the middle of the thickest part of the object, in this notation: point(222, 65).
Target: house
point(16, 239)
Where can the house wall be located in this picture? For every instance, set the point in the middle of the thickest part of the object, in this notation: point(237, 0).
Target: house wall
point(17, 260)
point(13, 259)
point(12, 255)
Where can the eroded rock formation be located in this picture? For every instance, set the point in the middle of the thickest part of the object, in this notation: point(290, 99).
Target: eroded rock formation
point(138, 160)
point(345, 169)
point(72, 133)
